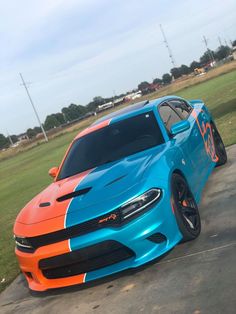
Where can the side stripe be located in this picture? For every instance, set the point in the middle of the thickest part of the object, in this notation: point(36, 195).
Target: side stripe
point(207, 136)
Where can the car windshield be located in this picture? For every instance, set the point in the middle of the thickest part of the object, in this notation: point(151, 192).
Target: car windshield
point(111, 143)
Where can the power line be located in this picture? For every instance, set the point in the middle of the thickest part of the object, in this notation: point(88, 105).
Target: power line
point(168, 47)
point(35, 111)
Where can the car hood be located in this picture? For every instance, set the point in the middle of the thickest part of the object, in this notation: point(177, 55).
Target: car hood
point(99, 186)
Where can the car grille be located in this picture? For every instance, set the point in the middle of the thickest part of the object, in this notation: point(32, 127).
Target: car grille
point(85, 260)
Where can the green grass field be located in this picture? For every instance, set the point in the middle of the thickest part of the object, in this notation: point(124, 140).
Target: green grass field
point(24, 175)
point(219, 94)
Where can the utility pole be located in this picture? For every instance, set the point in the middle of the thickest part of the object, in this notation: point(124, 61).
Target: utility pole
point(168, 47)
point(220, 42)
point(35, 111)
point(8, 135)
point(208, 50)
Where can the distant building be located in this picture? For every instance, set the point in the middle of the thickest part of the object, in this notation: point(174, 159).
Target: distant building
point(118, 101)
point(22, 137)
point(134, 95)
point(105, 106)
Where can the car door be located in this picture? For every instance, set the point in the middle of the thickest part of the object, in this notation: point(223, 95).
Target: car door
point(195, 144)
point(189, 141)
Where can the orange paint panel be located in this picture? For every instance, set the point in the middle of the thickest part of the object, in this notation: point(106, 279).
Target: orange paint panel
point(29, 264)
point(43, 227)
point(49, 219)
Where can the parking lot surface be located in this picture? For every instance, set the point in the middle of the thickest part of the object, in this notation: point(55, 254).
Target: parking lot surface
point(195, 277)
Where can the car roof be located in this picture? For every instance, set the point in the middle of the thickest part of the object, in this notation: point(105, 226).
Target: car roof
point(123, 111)
point(135, 108)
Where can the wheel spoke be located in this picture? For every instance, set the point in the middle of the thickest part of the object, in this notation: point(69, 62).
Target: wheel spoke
point(190, 215)
point(189, 221)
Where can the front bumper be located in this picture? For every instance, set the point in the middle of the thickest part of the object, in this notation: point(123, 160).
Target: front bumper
point(134, 236)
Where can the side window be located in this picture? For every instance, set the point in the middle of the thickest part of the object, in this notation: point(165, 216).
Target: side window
point(181, 107)
point(168, 115)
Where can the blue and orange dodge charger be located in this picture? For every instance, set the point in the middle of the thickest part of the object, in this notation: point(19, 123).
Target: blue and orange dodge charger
point(125, 193)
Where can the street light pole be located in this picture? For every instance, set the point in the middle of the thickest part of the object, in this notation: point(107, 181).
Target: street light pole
point(35, 111)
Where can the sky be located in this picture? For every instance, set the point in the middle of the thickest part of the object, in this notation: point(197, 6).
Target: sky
point(70, 51)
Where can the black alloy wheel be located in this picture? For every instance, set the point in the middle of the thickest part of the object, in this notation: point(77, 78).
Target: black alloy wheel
point(185, 208)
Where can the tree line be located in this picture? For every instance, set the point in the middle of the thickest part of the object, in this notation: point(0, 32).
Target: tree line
point(69, 114)
point(75, 112)
point(219, 54)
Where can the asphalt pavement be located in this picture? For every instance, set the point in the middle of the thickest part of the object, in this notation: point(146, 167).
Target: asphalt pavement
point(195, 277)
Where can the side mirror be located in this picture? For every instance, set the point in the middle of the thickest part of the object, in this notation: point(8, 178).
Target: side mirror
point(53, 172)
point(179, 127)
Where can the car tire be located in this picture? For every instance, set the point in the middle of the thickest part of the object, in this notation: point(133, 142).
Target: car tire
point(219, 146)
point(185, 208)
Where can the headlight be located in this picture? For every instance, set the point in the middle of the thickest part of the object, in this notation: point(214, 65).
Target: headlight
point(139, 203)
point(22, 242)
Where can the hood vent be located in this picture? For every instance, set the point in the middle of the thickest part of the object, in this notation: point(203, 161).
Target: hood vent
point(73, 194)
point(117, 179)
point(46, 204)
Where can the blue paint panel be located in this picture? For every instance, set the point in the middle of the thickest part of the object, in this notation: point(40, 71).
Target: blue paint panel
point(140, 172)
